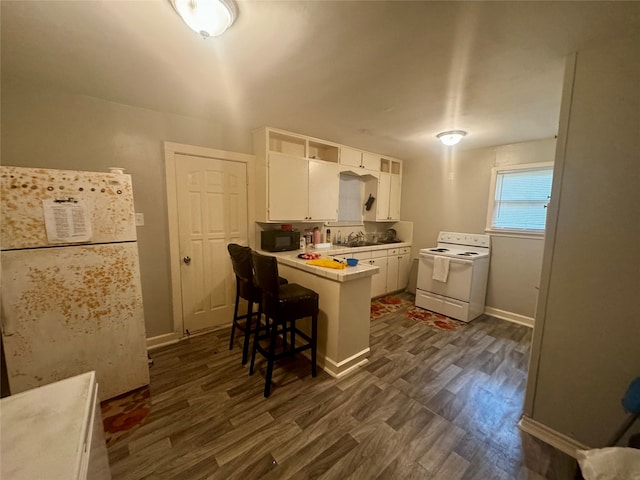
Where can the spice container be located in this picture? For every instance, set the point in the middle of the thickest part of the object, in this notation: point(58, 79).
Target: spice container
point(328, 237)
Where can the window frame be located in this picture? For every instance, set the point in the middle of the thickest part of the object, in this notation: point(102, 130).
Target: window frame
point(512, 232)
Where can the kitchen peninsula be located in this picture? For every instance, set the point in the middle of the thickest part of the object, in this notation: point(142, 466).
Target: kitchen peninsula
point(345, 303)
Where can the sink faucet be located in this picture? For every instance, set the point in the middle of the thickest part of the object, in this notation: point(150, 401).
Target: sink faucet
point(352, 236)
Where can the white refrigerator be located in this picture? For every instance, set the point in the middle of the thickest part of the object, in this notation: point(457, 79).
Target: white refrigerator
point(71, 293)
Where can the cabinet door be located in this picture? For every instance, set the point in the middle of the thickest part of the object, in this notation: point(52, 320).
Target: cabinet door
point(404, 266)
point(350, 157)
point(384, 192)
point(324, 190)
point(371, 161)
point(392, 273)
point(394, 197)
point(288, 187)
point(379, 280)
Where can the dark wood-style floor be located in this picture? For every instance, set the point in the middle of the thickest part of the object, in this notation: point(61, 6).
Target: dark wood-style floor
point(430, 404)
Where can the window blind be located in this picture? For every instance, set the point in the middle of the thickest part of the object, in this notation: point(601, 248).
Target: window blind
point(521, 197)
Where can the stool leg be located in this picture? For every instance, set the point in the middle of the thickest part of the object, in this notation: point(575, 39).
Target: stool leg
point(247, 333)
point(314, 343)
point(235, 320)
point(272, 354)
point(256, 332)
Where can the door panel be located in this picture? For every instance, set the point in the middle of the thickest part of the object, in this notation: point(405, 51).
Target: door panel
point(324, 185)
point(288, 179)
point(212, 212)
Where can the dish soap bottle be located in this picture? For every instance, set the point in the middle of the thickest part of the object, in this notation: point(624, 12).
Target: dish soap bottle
point(317, 236)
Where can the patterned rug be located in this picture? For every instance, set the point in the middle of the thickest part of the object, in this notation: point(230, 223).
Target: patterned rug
point(122, 415)
point(392, 303)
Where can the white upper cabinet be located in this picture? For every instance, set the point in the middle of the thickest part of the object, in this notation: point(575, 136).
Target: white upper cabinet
point(324, 186)
point(288, 179)
point(387, 190)
point(370, 161)
point(350, 157)
point(297, 178)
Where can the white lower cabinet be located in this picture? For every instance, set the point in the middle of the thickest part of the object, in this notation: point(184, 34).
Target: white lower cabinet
point(379, 281)
point(404, 268)
point(398, 265)
point(393, 263)
point(394, 267)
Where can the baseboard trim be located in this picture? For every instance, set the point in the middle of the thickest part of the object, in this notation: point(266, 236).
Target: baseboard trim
point(345, 367)
point(549, 436)
point(510, 316)
point(162, 340)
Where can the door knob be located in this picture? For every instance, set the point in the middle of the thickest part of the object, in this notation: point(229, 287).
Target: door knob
point(187, 260)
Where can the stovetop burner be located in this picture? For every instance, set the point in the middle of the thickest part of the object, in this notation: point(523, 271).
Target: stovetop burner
point(468, 254)
point(438, 249)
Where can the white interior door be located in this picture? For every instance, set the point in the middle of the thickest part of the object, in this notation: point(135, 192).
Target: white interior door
point(212, 212)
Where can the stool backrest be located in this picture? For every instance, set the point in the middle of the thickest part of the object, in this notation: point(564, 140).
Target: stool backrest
point(241, 261)
point(266, 274)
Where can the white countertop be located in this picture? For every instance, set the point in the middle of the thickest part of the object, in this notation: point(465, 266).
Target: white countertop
point(350, 273)
point(44, 430)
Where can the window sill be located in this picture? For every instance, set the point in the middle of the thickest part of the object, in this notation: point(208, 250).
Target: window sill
point(515, 234)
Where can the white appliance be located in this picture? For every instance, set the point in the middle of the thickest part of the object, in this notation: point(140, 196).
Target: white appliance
point(54, 432)
point(71, 293)
point(452, 276)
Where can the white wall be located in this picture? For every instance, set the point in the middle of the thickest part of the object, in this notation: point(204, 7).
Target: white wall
point(53, 129)
point(586, 344)
point(451, 193)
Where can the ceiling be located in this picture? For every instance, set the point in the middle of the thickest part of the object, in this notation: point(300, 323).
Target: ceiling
point(384, 76)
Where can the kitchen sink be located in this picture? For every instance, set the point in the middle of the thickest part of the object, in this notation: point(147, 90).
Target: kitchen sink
point(360, 244)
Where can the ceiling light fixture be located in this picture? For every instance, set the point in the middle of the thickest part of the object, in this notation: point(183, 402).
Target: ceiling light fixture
point(451, 137)
point(209, 18)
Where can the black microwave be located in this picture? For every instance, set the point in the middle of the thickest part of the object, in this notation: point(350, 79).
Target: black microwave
point(279, 240)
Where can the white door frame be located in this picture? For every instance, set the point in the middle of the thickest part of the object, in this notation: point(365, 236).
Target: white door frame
point(170, 152)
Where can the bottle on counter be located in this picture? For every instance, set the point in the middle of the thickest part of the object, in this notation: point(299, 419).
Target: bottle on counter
point(317, 236)
point(338, 237)
point(328, 237)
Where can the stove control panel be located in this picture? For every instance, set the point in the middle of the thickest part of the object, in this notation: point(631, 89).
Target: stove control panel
point(471, 239)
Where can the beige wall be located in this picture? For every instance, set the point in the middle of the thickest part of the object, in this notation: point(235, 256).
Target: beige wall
point(43, 128)
point(586, 346)
point(451, 193)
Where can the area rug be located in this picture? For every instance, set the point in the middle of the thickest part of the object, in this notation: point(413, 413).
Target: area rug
point(403, 304)
point(122, 415)
point(434, 319)
point(388, 304)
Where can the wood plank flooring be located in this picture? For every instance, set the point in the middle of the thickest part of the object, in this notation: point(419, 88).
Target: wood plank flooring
point(430, 404)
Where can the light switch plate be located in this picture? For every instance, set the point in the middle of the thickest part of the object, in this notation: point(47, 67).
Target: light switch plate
point(139, 219)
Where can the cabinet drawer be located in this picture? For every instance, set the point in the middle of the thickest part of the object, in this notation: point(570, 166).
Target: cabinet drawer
point(392, 251)
point(403, 250)
point(378, 253)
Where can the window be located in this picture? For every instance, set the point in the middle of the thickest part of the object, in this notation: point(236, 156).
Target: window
point(520, 195)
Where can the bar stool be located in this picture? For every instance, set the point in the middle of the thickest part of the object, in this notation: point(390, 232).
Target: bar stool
point(282, 305)
point(247, 290)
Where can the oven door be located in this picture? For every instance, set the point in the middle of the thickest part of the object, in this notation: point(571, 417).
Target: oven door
point(458, 284)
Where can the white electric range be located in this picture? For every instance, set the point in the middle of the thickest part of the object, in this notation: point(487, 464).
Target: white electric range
point(452, 276)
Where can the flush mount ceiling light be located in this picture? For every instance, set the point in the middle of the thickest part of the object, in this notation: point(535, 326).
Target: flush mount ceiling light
point(209, 18)
point(451, 137)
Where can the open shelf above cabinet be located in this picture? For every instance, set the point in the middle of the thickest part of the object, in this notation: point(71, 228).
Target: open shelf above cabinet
point(305, 147)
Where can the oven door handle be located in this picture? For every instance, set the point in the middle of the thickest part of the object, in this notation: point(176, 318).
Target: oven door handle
point(451, 259)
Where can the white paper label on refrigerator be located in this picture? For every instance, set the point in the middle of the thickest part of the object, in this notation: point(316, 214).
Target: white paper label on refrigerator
point(67, 221)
